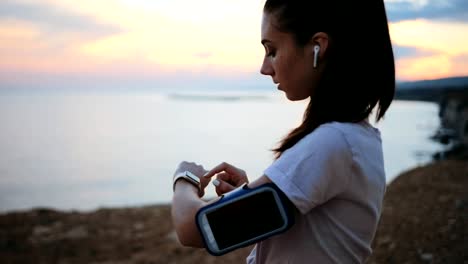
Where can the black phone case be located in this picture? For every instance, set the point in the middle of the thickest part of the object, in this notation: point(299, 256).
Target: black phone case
point(240, 191)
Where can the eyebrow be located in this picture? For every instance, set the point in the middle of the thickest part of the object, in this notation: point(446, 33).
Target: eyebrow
point(265, 41)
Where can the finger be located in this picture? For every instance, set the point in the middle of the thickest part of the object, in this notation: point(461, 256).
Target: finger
point(222, 186)
point(224, 176)
point(222, 167)
point(234, 180)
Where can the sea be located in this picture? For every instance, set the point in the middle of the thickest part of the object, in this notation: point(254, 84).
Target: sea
point(84, 150)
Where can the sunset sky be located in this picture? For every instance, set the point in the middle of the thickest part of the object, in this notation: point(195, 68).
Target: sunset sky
point(146, 43)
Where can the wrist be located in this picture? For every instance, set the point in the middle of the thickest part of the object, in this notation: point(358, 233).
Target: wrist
point(184, 186)
point(188, 178)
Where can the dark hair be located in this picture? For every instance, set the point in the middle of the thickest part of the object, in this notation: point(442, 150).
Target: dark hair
point(359, 70)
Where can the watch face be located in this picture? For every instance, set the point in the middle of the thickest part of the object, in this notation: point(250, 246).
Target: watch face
point(192, 176)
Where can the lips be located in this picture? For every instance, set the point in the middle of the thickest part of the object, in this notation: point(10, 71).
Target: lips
point(278, 84)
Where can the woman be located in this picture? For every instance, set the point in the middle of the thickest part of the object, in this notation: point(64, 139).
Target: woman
point(337, 54)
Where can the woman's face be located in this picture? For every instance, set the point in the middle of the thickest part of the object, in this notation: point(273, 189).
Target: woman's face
point(289, 65)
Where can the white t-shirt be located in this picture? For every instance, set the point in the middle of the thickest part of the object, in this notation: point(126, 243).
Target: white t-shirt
point(335, 177)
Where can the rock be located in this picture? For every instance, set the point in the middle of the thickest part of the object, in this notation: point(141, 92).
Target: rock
point(78, 232)
point(443, 198)
point(138, 226)
point(426, 257)
point(459, 204)
point(385, 240)
point(41, 231)
point(172, 236)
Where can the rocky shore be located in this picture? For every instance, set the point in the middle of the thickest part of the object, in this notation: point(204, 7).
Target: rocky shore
point(424, 220)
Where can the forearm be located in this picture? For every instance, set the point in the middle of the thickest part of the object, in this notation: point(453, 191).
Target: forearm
point(185, 205)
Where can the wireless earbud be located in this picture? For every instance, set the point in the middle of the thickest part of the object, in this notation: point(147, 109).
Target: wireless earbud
point(316, 53)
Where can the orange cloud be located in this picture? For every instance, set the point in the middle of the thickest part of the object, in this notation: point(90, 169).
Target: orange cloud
point(423, 68)
point(446, 40)
point(447, 37)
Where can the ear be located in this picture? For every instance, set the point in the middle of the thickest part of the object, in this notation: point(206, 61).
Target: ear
point(322, 40)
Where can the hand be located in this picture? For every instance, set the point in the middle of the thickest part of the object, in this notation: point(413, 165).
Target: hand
point(197, 170)
point(228, 176)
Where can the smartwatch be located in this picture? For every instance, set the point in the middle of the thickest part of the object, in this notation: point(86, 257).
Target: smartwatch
point(191, 178)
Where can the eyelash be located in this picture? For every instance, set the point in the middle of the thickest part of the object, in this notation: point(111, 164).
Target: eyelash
point(271, 54)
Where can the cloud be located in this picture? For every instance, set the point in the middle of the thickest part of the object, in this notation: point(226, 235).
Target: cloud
point(460, 65)
point(440, 36)
point(418, 64)
point(450, 10)
point(53, 19)
point(401, 51)
point(462, 58)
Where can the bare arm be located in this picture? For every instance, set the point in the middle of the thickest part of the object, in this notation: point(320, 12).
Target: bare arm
point(260, 181)
point(185, 205)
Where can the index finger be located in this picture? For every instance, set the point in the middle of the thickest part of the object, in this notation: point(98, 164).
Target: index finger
point(221, 167)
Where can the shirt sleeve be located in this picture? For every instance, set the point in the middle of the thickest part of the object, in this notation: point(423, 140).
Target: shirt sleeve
point(314, 170)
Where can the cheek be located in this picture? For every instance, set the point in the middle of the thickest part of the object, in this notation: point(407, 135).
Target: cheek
point(292, 71)
point(300, 78)
point(284, 68)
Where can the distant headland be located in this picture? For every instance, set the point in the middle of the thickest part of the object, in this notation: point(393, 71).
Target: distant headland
point(451, 94)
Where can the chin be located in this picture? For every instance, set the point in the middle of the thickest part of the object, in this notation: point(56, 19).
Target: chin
point(292, 97)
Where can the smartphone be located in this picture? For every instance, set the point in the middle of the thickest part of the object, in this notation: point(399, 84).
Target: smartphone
point(244, 216)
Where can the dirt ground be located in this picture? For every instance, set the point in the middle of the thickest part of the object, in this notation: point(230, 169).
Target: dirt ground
point(424, 220)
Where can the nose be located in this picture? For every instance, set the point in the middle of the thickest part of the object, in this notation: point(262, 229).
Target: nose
point(267, 68)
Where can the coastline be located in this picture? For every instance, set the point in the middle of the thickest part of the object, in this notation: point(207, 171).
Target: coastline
point(423, 221)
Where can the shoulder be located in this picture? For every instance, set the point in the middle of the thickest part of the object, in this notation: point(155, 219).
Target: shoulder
point(347, 134)
point(316, 169)
point(336, 139)
point(326, 141)
point(327, 138)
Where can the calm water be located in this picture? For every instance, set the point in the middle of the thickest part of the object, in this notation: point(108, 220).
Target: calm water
point(84, 151)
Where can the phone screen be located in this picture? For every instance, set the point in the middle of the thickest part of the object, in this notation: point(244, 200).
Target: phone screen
point(245, 219)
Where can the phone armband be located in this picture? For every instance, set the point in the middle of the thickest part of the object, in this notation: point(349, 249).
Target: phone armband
point(243, 217)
